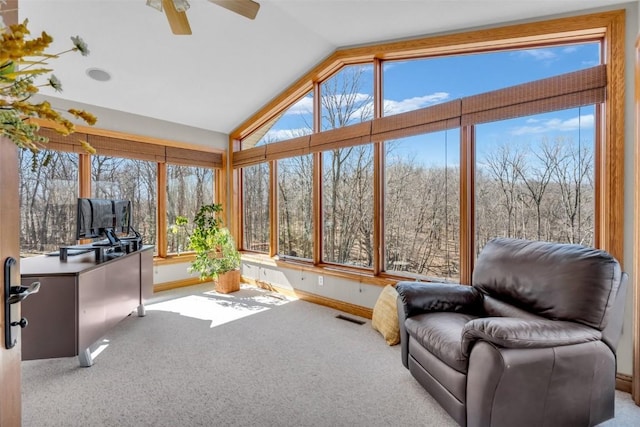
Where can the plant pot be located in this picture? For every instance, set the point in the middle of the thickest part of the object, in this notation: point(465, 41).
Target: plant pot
point(228, 282)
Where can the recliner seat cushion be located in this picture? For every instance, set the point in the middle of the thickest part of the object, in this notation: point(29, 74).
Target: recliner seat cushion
point(441, 334)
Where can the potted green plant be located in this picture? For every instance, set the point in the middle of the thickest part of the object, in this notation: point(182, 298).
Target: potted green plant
point(217, 257)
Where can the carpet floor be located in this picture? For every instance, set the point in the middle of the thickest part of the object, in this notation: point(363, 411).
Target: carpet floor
point(250, 358)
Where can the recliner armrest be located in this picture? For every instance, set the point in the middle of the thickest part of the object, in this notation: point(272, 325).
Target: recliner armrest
point(512, 332)
point(421, 297)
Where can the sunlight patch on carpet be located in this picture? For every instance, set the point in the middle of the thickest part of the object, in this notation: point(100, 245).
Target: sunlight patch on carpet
point(221, 308)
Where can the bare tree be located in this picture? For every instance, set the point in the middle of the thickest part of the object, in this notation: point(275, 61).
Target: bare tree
point(536, 176)
point(504, 166)
point(573, 175)
point(295, 206)
point(256, 207)
point(348, 184)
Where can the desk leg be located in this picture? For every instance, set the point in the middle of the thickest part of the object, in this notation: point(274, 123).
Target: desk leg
point(141, 311)
point(85, 358)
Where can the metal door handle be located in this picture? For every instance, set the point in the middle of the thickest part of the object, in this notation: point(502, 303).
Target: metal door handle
point(18, 293)
point(13, 295)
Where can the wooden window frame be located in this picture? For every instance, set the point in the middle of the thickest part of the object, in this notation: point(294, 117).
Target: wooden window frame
point(605, 27)
point(137, 147)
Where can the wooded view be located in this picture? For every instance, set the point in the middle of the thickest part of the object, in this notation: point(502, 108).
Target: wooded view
point(539, 188)
point(188, 188)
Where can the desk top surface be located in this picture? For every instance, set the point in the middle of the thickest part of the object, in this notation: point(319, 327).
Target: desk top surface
point(51, 265)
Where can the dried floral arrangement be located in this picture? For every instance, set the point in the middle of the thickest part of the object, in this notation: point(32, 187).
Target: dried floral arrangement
point(23, 70)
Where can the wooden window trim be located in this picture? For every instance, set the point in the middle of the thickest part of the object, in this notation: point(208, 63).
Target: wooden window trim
point(161, 213)
point(564, 91)
point(554, 31)
point(137, 147)
point(606, 27)
point(634, 286)
point(115, 144)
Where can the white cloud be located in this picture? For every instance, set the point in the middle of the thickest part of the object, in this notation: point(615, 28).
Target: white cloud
point(409, 104)
point(304, 106)
point(539, 54)
point(558, 125)
point(284, 134)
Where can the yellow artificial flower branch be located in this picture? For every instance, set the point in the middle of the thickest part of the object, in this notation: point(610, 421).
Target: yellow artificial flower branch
point(21, 61)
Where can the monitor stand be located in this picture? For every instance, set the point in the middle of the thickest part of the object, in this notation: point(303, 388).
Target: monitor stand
point(111, 236)
point(111, 240)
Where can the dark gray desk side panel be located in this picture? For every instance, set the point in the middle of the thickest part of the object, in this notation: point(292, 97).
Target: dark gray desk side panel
point(122, 291)
point(146, 276)
point(92, 313)
point(52, 316)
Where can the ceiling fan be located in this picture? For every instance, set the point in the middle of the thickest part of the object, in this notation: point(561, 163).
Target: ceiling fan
point(177, 16)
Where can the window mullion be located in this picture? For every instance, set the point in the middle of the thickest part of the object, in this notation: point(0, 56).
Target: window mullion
point(273, 208)
point(378, 174)
point(467, 202)
point(84, 175)
point(161, 215)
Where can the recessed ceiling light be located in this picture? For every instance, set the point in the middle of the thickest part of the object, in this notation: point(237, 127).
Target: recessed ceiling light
point(98, 74)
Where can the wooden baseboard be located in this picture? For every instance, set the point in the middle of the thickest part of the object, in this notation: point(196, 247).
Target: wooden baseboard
point(624, 382)
point(176, 284)
point(346, 307)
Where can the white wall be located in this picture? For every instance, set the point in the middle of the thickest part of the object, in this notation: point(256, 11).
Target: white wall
point(297, 279)
point(171, 273)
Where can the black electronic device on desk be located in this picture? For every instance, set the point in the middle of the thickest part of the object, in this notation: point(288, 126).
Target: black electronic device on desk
point(108, 223)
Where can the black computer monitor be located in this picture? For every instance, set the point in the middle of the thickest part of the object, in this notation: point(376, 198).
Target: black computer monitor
point(103, 218)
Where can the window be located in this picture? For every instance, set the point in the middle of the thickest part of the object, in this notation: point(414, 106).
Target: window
point(188, 188)
point(256, 208)
point(48, 200)
point(500, 136)
point(347, 97)
point(535, 177)
point(295, 207)
point(295, 121)
point(128, 179)
point(347, 213)
point(124, 167)
point(419, 83)
point(422, 205)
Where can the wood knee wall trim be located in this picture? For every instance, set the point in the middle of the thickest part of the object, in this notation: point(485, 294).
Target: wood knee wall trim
point(623, 382)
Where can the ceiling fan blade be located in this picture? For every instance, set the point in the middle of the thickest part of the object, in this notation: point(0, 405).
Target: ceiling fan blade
point(177, 20)
point(246, 8)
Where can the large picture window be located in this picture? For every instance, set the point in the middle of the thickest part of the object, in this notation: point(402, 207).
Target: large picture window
point(256, 208)
point(347, 97)
point(188, 188)
point(422, 205)
point(420, 160)
point(295, 207)
point(418, 83)
point(122, 167)
point(48, 199)
point(128, 179)
point(347, 212)
point(535, 178)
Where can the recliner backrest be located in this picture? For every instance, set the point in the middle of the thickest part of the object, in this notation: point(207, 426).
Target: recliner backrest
point(554, 280)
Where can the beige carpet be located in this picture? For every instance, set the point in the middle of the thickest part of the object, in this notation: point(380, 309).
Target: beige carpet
point(251, 358)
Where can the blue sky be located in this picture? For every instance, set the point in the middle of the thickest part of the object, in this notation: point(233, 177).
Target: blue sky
point(416, 84)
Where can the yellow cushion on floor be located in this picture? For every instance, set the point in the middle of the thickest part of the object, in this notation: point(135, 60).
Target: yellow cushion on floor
point(385, 315)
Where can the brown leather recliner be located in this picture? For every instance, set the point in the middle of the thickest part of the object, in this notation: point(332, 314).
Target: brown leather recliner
point(531, 343)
